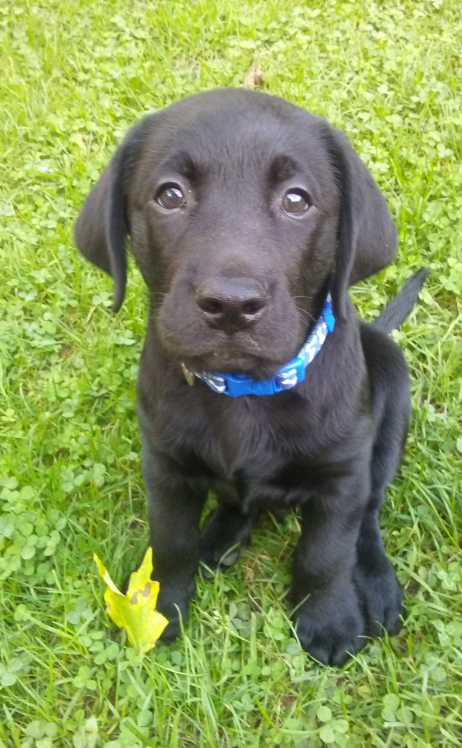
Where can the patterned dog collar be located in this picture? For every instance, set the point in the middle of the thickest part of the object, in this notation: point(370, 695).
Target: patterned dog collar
point(236, 385)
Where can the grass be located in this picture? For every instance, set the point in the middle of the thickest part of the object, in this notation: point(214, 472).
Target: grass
point(75, 76)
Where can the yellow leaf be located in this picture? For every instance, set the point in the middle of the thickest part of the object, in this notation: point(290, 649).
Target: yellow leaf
point(136, 611)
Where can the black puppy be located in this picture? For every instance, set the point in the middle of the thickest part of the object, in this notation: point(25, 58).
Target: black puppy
point(249, 218)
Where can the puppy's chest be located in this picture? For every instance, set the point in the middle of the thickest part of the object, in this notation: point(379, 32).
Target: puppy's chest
point(256, 462)
point(261, 453)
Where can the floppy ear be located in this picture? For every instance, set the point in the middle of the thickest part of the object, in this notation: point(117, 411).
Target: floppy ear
point(367, 234)
point(101, 228)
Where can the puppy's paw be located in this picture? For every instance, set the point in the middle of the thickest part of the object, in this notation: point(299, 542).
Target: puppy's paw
point(330, 627)
point(380, 597)
point(172, 631)
point(173, 603)
point(176, 620)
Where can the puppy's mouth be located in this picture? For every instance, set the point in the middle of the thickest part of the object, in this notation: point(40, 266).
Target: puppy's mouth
point(254, 367)
point(255, 363)
point(232, 357)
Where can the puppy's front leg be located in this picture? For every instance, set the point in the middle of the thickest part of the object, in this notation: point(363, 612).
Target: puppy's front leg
point(328, 616)
point(174, 512)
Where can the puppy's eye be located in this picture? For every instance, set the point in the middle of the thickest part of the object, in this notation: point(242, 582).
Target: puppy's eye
point(295, 202)
point(171, 197)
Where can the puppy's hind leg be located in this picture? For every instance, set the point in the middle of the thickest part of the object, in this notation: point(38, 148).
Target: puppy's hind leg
point(375, 580)
point(226, 533)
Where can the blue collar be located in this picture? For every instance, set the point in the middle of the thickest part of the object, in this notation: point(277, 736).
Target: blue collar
point(291, 374)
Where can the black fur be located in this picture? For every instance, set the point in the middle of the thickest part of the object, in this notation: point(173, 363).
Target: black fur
point(331, 444)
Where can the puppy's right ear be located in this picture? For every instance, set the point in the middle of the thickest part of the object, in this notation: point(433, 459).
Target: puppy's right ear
point(101, 229)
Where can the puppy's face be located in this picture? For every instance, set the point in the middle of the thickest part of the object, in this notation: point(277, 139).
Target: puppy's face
point(243, 211)
point(234, 213)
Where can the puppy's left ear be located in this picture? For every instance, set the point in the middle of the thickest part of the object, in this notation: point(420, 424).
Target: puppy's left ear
point(367, 234)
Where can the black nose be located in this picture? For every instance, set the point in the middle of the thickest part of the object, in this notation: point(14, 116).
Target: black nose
point(231, 304)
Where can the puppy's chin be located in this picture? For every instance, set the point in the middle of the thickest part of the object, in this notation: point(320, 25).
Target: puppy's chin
point(233, 363)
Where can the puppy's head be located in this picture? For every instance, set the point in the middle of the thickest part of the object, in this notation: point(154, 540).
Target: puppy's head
point(243, 211)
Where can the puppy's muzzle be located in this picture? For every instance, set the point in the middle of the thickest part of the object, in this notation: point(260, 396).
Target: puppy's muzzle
point(231, 304)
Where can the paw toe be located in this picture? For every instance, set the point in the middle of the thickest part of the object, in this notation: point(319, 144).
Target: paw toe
point(332, 645)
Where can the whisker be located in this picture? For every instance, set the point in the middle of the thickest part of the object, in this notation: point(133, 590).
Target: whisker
point(305, 315)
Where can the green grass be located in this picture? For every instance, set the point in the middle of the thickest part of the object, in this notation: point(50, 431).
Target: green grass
point(75, 76)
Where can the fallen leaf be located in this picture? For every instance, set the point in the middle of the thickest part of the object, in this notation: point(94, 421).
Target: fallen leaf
point(254, 78)
point(136, 611)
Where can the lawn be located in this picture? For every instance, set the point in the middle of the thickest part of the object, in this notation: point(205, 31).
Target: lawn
point(75, 76)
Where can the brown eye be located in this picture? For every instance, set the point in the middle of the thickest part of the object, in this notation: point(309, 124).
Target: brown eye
point(295, 202)
point(171, 197)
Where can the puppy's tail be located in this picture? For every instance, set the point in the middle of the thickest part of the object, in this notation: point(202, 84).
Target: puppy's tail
point(397, 310)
